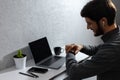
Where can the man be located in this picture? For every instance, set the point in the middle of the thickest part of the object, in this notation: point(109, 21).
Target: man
point(105, 58)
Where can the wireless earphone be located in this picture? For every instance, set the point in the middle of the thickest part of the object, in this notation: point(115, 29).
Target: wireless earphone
point(103, 23)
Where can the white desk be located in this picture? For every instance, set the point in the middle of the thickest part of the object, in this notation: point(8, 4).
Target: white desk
point(13, 73)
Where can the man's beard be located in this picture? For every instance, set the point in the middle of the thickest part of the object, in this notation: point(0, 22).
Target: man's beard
point(99, 31)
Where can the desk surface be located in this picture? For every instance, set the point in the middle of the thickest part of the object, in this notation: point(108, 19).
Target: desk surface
point(13, 73)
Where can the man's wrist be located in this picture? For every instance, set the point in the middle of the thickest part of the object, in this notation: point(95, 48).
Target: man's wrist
point(71, 52)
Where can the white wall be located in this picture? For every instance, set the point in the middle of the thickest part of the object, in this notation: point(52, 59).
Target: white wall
point(22, 21)
point(116, 2)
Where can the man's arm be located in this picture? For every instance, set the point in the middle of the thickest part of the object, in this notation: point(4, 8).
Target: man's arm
point(75, 48)
point(102, 61)
point(89, 50)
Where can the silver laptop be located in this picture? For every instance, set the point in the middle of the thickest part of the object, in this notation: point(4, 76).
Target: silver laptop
point(43, 56)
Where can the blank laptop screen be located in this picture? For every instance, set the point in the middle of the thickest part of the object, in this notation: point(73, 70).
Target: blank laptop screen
point(40, 49)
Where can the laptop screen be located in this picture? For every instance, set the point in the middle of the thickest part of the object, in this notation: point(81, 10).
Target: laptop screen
point(40, 49)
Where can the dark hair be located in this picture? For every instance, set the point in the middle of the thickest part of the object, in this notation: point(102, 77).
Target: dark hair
point(97, 9)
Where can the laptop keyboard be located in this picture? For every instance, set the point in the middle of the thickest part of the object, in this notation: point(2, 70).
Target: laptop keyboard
point(51, 60)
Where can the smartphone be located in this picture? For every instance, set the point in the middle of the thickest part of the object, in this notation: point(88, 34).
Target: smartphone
point(37, 70)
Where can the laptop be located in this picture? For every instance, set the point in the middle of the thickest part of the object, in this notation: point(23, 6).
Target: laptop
point(43, 56)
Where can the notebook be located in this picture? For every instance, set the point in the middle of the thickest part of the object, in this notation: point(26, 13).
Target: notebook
point(42, 54)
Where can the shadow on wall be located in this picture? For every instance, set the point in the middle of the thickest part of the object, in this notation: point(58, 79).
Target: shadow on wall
point(8, 61)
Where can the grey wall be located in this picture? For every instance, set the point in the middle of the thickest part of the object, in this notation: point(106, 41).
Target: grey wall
point(116, 2)
point(22, 21)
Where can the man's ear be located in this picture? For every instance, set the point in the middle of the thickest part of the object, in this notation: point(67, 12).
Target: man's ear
point(103, 21)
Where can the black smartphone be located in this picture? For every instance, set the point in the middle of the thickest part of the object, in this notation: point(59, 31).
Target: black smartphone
point(37, 70)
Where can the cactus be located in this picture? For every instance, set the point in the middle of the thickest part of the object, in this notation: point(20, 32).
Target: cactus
point(19, 54)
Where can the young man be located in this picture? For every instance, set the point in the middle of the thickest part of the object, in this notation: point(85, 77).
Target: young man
point(105, 60)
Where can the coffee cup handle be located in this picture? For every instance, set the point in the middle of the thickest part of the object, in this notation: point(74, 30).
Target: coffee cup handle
point(62, 50)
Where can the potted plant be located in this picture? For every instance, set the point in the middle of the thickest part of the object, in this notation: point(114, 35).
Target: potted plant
point(20, 60)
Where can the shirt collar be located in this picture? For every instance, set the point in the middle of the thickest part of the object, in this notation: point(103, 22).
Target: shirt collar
point(106, 36)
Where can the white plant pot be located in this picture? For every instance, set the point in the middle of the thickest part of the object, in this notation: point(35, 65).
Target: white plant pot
point(20, 63)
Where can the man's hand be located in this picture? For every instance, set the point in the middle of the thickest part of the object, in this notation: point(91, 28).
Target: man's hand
point(73, 48)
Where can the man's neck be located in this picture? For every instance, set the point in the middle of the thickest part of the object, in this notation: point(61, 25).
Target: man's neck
point(110, 28)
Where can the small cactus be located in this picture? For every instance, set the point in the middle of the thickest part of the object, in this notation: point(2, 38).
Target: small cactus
point(19, 54)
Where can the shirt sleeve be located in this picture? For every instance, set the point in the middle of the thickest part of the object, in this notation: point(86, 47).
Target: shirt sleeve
point(89, 50)
point(102, 61)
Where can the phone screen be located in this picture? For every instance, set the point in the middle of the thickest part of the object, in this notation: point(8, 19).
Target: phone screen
point(37, 70)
